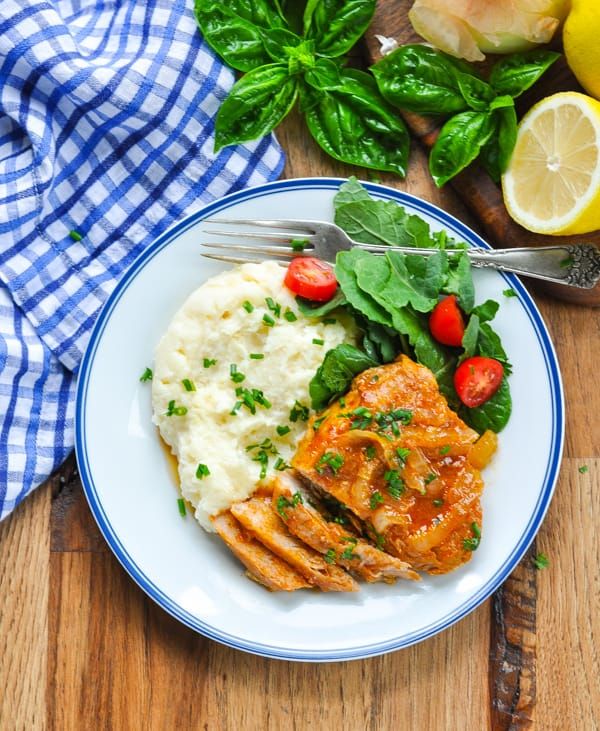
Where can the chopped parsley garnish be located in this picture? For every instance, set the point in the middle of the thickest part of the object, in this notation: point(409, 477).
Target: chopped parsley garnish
point(330, 556)
point(208, 362)
point(75, 235)
point(290, 316)
point(510, 292)
point(402, 453)
point(235, 375)
point(541, 561)
point(318, 341)
point(188, 385)
point(273, 306)
point(317, 423)
point(283, 430)
point(202, 471)
point(146, 375)
point(395, 484)
point(430, 478)
point(376, 499)
point(438, 502)
point(472, 544)
point(329, 321)
point(299, 244)
point(268, 320)
point(333, 460)
point(445, 449)
point(257, 356)
point(299, 412)
point(181, 506)
point(583, 469)
point(173, 410)
point(248, 306)
point(371, 452)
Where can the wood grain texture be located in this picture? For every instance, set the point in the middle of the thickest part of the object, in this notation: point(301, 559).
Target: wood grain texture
point(476, 189)
point(81, 644)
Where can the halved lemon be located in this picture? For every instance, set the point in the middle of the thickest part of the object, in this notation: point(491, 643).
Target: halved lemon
point(552, 184)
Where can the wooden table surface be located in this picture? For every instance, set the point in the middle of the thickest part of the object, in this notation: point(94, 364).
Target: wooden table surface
point(81, 647)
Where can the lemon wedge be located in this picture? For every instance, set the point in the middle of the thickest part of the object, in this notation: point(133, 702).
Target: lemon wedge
point(552, 184)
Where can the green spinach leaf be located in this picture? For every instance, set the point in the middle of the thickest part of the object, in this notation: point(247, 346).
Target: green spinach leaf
point(336, 25)
point(459, 143)
point(486, 311)
point(335, 374)
point(460, 281)
point(255, 105)
point(235, 30)
point(315, 309)
point(493, 414)
point(516, 73)
point(345, 271)
point(352, 123)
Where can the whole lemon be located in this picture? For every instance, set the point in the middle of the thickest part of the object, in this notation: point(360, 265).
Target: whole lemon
point(581, 40)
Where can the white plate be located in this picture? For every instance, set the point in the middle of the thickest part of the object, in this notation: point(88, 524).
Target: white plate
point(129, 484)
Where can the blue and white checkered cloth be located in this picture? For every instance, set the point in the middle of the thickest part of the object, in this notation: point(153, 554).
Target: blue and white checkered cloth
point(107, 112)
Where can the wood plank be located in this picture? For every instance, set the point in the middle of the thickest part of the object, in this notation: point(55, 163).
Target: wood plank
point(569, 603)
point(24, 551)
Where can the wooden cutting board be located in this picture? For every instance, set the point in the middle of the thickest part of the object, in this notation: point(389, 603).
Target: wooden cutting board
point(479, 193)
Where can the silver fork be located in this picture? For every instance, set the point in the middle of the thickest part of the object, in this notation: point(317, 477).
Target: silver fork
point(576, 265)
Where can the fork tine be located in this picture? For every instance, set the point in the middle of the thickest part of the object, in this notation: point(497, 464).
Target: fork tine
point(307, 226)
point(241, 260)
point(255, 235)
point(285, 251)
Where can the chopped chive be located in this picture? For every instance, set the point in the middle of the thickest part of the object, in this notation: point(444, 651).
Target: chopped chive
point(173, 410)
point(371, 452)
point(430, 478)
point(445, 449)
point(402, 453)
point(395, 484)
point(299, 244)
point(541, 561)
point(236, 408)
point(257, 356)
point(376, 499)
point(146, 375)
point(438, 502)
point(268, 320)
point(282, 504)
point(333, 460)
point(348, 554)
point(235, 376)
point(583, 469)
point(330, 556)
point(248, 306)
point(283, 430)
point(188, 385)
point(202, 471)
point(299, 412)
point(329, 321)
point(342, 401)
point(318, 341)
point(181, 506)
point(75, 235)
point(273, 306)
point(380, 541)
point(510, 292)
point(317, 423)
point(281, 465)
point(471, 544)
point(208, 362)
point(290, 316)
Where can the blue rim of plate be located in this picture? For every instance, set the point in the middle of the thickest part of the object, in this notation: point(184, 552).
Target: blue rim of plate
point(372, 649)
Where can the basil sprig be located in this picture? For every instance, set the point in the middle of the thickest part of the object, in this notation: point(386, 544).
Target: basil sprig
point(287, 54)
point(483, 120)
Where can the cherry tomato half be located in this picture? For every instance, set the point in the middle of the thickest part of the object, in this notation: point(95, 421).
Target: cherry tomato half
point(446, 322)
point(477, 379)
point(311, 278)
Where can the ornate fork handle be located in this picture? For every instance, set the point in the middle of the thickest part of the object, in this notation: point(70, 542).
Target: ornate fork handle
point(577, 265)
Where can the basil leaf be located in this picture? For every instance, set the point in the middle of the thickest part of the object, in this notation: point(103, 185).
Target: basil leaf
point(423, 80)
point(507, 136)
point(292, 11)
point(281, 44)
point(514, 74)
point(235, 29)
point(255, 105)
point(493, 414)
point(335, 374)
point(352, 123)
point(324, 75)
point(336, 25)
point(459, 143)
point(314, 309)
point(475, 92)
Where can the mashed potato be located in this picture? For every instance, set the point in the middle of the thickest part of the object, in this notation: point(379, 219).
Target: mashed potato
point(215, 325)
